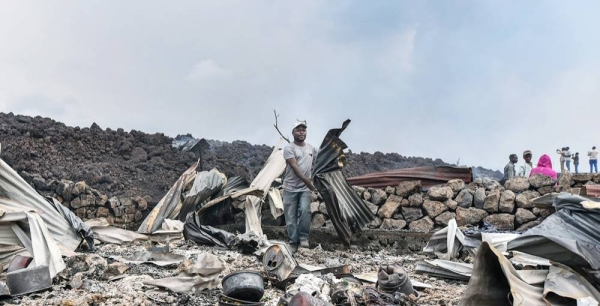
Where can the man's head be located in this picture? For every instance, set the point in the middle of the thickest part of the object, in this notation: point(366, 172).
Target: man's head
point(513, 158)
point(299, 131)
point(594, 148)
point(567, 148)
point(576, 153)
point(527, 156)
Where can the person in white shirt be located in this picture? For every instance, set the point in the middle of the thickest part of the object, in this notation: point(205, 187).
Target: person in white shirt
point(525, 168)
point(593, 154)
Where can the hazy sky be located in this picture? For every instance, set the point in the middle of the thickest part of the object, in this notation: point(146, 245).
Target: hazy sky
point(475, 80)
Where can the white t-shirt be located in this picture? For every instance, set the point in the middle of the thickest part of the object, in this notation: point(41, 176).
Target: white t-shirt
point(304, 157)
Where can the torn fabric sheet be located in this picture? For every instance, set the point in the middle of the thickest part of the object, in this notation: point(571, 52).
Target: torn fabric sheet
point(445, 269)
point(207, 235)
point(36, 238)
point(569, 236)
point(348, 212)
point(155, 258)
point(18, 195)
point(495, 281)
point(169, 205)
point(206, 184)
point(275, 203)
point(108, 234)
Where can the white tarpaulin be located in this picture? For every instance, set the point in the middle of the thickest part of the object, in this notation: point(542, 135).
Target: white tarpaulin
point(17, 196)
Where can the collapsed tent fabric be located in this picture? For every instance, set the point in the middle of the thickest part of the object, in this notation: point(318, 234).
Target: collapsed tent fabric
point(206, 235)
point(570, 236)
point(348, 212)
point(494, 281)
point(66, 228)
point(28, 232)
point(206, 184)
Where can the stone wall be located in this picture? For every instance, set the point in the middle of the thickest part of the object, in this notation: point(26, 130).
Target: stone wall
point(508, 208)
point(88, 203)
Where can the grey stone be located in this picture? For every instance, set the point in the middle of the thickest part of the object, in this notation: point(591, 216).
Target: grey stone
point(456, 185)
point(113, 202)
point(524, 199)
point(366, 196)
point(372, 207)
point(87, 200)
point(523, 216)
point(378, 196)
point(390, 190)
point(376, 223)
point(314, 207)
point(424, 225)
point(39, 183)
point(491, 202)
point(444, 218)
point(490, 184)
point(517, 184)
point(79, 188)
point(434, 208)
point(393, 224)
point(507, 202)
point(318, 220)
point(479, 197)
point(411, 213)
point(464, 198)
point(469, 216)
point(451, 204)
point(539, 181)
point(323, 208)
point(415, 200)
point(440, 193)
point(542, 212)
point(528, 225)
point(388, 209)
point(360, 190)
point(503, 222)
point(405, 189)
point(115, 269)
point(546, 190)
point(138, 155)
point(75, 203)
point(565, 179)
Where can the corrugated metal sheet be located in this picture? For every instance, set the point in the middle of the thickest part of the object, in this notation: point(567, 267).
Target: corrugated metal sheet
point(348, 212)
point(429, 176)
point(591, 190)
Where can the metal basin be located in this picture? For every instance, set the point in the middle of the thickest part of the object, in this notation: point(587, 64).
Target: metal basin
point(229, 301)
point(244, 285)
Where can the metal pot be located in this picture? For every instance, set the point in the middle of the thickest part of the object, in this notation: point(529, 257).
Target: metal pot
point(229, 301)
point(244, 285)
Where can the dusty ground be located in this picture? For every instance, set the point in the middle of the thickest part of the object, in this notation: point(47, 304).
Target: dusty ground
point(131, 291)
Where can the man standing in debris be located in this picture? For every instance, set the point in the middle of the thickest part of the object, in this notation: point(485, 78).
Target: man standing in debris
point(525, 168)
point(297, 186)
point(509, 169)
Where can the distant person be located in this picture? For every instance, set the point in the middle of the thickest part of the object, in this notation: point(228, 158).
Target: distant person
point(576, 162)
point(525, 168)
point(564, 152)
point(593, 154)
point(297, 186)
point(544, 167)
point(509, 169)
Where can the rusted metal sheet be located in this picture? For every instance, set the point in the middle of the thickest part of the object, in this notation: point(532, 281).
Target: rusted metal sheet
point(591, 191)
point(429, 176)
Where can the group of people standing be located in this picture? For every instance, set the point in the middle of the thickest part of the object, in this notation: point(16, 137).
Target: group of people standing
point(544, 165)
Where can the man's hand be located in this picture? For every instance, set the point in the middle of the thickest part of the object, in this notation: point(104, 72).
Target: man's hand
point(310, 185)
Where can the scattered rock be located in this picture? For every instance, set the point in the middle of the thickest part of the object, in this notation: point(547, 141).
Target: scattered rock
point(503, 222)
point(444, 218)
point(393, 224)
point(528, 225)
point(524, 199)
point(456, 185)
point(115, 269)
point(523, 216)
point(372, 207)
point(542, 212)
point(366, 196)
point(376, 223)
point(565, 179)
point(314, 207)
point(469, 216)
point(507, 201)
point(440, 193)
point(405, 189)
point(464, 198)
point(451, 204)
point(388, 209)
point(517, 184)
point(434, 208)
point(411, 213)
point(424, 225)
point(318, 220)
point(490, 184)
point(378, 196)
point(390, 190)
point(492, 201)
point(415, 200)
point(479, 197)
point(538, 181)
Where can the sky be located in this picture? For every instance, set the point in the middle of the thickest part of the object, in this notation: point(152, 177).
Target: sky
point(458, 80)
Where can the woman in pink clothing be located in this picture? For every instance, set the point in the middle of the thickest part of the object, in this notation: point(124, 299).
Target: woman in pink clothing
point(544, 167)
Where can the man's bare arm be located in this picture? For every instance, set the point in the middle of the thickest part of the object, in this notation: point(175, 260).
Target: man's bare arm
point(294, 165)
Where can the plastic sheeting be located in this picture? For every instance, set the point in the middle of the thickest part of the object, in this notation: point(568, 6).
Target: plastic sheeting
point(570, 236)
point(108, 234)
point(207, 235)
point(29, 231)
point(206, 184)
point(348, 212)
point(20, 196)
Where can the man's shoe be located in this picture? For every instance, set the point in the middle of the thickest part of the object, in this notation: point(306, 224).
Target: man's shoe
point(293, 248)
point(304, 244)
